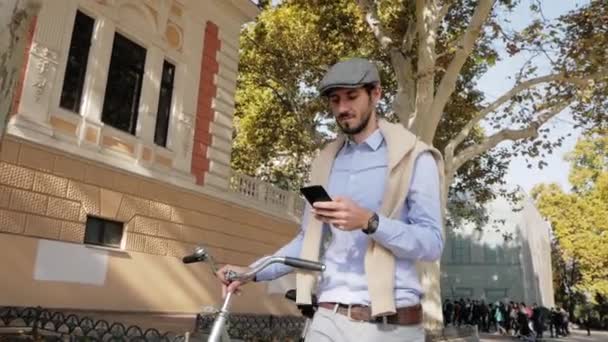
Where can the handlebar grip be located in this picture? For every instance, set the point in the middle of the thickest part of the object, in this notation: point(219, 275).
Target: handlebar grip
point(305, 264)
point(192, 258)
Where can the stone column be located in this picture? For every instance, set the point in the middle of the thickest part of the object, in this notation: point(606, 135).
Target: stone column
point(96, 79)
point(149, 95)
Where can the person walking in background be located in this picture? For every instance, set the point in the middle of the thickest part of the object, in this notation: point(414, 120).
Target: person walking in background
point(522, 321)
point(483, 315)
point(499, 316)
point(538, 320)
point(556, 322)
point(491, 316)
point(565, 322)
point(448, 311)
point(458, 312)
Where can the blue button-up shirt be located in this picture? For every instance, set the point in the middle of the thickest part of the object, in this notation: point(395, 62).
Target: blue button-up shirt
point(359, 172)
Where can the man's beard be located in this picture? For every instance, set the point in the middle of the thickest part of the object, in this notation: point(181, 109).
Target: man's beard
point(359, 128)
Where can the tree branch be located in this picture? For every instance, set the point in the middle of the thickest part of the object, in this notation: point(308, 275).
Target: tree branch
point(448, 82)
point(404, 102)
point(560, 77)
point(371, 16)
point(409, 37)
point(426, 11)
point(287, 102)
point(443, 11)
point(508, 134)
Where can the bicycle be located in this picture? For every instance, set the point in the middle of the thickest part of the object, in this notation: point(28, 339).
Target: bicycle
point(219, 332)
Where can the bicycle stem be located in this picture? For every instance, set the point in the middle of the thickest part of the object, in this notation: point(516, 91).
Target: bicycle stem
point(218, 325)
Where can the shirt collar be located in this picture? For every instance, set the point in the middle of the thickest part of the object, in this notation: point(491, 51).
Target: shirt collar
point(373, 141)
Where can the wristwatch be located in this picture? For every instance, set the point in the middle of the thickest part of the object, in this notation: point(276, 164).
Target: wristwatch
point(372, 224)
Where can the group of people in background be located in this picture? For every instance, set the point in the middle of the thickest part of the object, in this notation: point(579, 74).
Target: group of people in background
point(514, 319)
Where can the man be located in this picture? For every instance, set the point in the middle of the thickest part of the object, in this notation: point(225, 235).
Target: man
point(385, 216)
point(448, 310)
point(538, 320)
point(556, 320)
point(565, 322)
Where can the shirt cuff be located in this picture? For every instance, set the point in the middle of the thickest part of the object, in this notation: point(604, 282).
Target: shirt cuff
point(388, 233)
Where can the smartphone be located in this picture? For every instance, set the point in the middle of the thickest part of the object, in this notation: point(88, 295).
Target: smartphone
point(315, 193)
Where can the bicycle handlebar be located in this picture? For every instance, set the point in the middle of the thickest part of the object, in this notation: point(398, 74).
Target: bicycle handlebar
point(289, 261)
point(201, 255)
point(198, 255)
point(304, 264)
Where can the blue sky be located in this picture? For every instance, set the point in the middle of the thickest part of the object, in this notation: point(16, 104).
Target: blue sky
point(496, 82)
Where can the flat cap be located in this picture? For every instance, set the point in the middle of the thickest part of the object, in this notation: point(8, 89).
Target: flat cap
point(351, 73)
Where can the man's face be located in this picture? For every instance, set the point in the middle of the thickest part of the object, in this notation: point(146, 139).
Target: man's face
point(353, 108)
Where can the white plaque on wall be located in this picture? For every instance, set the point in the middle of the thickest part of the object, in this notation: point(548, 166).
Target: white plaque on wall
point(69, 262)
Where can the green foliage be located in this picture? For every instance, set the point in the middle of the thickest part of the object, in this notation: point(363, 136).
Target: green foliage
point(280, 122)
point(579, 220)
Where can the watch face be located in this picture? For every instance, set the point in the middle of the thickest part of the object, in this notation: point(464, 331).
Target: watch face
point(372, 224)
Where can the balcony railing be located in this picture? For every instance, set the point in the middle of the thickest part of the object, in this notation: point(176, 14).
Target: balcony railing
point(267, 195)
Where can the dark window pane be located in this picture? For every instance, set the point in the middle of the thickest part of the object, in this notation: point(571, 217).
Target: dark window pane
point(76, 67)
point(93, 233)
point(121, 102)
point(103, 232)
point(112, 234)
point(164, 104)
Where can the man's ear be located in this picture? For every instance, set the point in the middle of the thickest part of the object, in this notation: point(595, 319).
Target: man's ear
point(376, 94)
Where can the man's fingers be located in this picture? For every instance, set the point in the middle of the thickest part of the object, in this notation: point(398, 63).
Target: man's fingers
point(326, 213)
point(323, 219)
point(220, 275)
point(327, 205)
point(233, 287)
point(339, 224)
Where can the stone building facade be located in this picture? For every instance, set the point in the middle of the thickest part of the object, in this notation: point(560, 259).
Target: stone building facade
point(116, 162)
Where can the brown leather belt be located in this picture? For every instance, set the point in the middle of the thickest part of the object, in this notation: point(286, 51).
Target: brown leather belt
point(409, 315)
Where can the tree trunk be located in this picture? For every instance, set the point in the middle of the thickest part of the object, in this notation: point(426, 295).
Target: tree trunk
point(16, 16)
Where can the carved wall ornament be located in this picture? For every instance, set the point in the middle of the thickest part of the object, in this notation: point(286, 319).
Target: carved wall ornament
point(45, 59)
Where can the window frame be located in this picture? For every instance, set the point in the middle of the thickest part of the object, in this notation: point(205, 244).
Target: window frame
point(461, 251)
point(166, 61)
point(102, 233)
point(505, 292)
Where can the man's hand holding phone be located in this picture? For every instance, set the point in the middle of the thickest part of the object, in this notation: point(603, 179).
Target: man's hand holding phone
point(341, 212)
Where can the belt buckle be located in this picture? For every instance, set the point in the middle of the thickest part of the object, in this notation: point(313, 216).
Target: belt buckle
point(379, 319)
point(349, 314)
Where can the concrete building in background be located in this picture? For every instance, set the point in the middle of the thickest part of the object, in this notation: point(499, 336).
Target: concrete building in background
point(116, 162)
point(510, 259)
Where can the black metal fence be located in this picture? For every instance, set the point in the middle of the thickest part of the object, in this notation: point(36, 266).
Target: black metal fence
point(252, 327)
point(40, 324)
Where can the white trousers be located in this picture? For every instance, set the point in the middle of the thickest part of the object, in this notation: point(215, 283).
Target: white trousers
point(330, 326)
